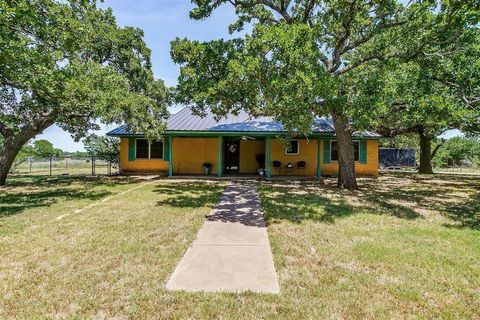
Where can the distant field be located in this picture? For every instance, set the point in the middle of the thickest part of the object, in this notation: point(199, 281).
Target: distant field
point(63, 166)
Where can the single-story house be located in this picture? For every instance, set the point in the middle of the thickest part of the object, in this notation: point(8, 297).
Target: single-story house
point(240, 144)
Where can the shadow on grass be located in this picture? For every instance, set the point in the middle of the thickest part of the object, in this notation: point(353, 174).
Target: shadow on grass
point(282, 204)
point(17, 202)
point(405, 196)
point(59, 180)
point(33, 191)
point(465, 215)
point(189, 195)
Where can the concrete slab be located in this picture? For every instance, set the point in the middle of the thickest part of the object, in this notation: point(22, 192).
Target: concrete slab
point(225, 268)
point(231, 252)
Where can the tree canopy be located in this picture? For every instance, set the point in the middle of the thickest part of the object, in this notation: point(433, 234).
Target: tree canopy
point(433, 94)
point(67, 62)
point(44, 149)
point(305, 59)
point(105, 148)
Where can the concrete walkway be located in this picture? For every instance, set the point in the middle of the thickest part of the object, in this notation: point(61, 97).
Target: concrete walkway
point(231, 252)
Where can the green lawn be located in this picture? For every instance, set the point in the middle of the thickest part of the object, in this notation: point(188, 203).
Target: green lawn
point(404, 246)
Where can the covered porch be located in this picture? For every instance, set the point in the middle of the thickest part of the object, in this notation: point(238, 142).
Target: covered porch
point(243, 155)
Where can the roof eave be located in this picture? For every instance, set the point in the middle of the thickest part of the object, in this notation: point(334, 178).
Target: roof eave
point(192, 133)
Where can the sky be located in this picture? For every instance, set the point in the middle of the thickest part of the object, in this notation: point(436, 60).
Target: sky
point(162, 21)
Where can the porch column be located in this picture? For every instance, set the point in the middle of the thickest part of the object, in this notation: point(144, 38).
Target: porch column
point(170, 162)
point(267, 160)
point(219, 161)
point(319, 170)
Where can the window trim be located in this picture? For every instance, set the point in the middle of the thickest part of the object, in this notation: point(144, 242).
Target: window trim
point(359, 152)
point(149, 150)
point(298, 149)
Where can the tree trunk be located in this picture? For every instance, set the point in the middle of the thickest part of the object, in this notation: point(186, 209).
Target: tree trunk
point(14, 142)
point(9, 151)
point(425, 153)
point(346, 154)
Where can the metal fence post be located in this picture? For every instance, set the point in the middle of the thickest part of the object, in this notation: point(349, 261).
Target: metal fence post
point(93, 166)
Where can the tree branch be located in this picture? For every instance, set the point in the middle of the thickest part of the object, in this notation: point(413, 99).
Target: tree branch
point(281, 10)
point(5, 131)
point(335, 61)
point(390, 133)
point(308, 10)
point(437, 147)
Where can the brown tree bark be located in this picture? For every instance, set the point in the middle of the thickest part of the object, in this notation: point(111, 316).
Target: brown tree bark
point(425, 153)
point(346, 155)
point(8, 153)
point(14, 141)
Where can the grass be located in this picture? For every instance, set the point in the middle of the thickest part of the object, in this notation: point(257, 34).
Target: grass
point(63, 166)
point(404, 246)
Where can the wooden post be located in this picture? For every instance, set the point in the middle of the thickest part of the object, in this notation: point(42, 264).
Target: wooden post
point(269, 141)
point(219, 160)
point(170, 162)
point(319, 170)
point(50, 165)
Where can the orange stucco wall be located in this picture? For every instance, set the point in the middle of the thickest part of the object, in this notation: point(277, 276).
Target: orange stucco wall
point(248, 155)
point(307, 152)
point(140, 165)
point(189, 154)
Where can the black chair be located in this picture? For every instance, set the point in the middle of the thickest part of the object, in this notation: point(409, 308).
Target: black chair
point(301, 165)
point(277, 166)
point(289, 169)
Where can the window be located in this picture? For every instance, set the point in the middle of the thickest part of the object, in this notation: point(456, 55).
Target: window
point(293, 148)
point(156, 150)
point(142, 149)
point(145, 150)
point(334, 150)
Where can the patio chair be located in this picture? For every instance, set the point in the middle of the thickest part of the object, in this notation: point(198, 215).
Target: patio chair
point(301, 165)
point(289, 169)
point(277, 167)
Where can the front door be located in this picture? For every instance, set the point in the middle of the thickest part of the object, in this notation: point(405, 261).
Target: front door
point(232, 156)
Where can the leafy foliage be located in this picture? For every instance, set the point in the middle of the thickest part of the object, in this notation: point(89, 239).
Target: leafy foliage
point(105, 148)
point(307, 58)
point(44, 149)
point(459, 151)
point(67, 62)
point(25, 152)
point(437, 92)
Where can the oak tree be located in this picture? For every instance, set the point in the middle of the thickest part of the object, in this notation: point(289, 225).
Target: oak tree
point(68, 63)
point(310, 58)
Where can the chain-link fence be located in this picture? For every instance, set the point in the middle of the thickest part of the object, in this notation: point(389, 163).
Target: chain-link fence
point(66, 166)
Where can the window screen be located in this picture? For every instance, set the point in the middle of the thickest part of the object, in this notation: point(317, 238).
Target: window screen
point(156, 150)
point(334, 150)
point(293, 148)
point(142, 149)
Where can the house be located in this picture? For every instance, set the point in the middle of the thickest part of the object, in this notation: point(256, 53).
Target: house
point(239, 144)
